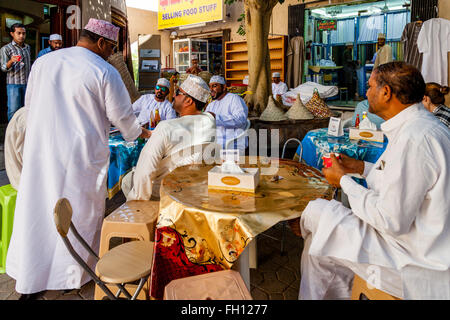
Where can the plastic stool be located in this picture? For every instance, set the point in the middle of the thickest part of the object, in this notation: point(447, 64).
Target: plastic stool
point(361, 287)
point(8, 197)
point(219, 285)
point(132, 220)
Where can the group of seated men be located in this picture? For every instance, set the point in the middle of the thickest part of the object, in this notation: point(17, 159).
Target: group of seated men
point(394, 235)
point(186, 123)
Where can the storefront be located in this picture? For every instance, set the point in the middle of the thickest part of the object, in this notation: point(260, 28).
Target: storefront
point(66, 17)
point(342, 41)
point(199, 28)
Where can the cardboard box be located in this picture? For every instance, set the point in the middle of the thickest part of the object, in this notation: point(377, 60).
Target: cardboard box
point(366, 134)
point(242, 182)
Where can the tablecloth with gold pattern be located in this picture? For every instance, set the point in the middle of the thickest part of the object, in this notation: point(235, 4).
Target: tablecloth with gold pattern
point(202, 230)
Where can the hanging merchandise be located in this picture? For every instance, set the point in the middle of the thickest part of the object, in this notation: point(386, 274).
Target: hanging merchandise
point(433, 42)
point(273, 112)
point(409, 39)
point(318, 107)
point(295, 61)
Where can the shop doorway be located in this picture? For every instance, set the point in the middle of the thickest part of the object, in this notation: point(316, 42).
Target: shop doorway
point(41, 18)
point(215, 56)
point(343, 42)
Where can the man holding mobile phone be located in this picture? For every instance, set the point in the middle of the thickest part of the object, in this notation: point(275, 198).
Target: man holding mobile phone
point(16, 62)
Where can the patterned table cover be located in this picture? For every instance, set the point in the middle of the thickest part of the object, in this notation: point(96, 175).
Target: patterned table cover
point(201, 230)
point(123, 156)
point(317, 142)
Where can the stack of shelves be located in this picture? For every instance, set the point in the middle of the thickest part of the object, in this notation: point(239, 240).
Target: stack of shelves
point(236, 59)
point(183, 51)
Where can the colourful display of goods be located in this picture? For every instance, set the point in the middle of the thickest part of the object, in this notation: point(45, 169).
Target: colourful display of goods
point(318, 107)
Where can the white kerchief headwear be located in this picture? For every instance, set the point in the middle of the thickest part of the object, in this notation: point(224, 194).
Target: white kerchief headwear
point(55, 37)
point(163, 82)
point(217, 79)
point(381, 36)
point(276, 75)
point(196, 88)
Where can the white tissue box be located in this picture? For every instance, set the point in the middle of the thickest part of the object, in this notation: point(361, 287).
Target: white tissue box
point(242, 182)
point(366, 134)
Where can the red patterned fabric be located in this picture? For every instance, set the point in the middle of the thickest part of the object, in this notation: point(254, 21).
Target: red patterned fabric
point(170, 261)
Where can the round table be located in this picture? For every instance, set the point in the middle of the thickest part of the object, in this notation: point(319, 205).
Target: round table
point(201, 230)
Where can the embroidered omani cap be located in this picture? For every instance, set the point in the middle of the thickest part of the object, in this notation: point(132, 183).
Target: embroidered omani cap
point(55, 37)
point(163, 82)
point(103, 28)
point(217, 79)
point(196, 87)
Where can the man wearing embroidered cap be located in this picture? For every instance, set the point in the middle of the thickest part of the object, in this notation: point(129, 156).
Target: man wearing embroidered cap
point(278, 86)
point(161, 154)
point(231, 113)
point(55, 43)
point(384, 52)
point(146, 105)
point(73, 96)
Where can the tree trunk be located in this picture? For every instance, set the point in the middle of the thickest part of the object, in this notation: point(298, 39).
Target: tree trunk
point(257, 24)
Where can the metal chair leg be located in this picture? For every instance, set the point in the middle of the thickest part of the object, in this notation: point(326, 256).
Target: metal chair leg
point(122, 289)
point(139, 288)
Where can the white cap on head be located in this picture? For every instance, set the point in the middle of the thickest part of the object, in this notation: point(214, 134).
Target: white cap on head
point(163, 82)
point(276, 75)
point(194, 57)
point(55, 37)
point(196, 87)
point(217, 79)
point(381, 36)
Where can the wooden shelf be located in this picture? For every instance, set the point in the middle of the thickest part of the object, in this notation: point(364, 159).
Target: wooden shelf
point(236, 58)
point(240, 60)
point(237, 69)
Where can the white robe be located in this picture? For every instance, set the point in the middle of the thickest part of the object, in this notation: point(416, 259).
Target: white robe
point(14, 141)
point(147, 105)
point(384, 55)
point(231, 119)
point(400, 223)
point(279, 88)
point(73, 95)
point(157, 158)
point(434, 42)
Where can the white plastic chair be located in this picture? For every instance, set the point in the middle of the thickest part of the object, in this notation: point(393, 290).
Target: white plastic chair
point(238, 136)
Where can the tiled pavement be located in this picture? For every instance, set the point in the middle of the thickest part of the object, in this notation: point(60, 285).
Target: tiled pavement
point(277, 276)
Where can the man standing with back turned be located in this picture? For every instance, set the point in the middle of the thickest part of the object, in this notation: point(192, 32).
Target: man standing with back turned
point(73, 95)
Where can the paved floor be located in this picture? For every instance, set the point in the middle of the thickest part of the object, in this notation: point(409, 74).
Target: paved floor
point(276, 278)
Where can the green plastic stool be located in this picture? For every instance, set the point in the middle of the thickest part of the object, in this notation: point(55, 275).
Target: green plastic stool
point(8, 204)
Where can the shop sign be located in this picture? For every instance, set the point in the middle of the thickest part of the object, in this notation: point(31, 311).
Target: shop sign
point(326, 25)
point(176, 13)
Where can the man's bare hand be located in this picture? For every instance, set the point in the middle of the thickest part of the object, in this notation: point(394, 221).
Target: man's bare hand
point(334, 173)
point(351, 165)
point(14, 59)
point(145, 133)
